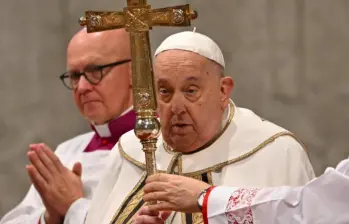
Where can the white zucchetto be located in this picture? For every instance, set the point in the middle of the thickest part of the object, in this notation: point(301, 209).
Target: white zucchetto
point(194, 42)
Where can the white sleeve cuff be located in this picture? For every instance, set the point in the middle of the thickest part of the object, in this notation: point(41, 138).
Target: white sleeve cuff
point(77, 212)
point(218, 200)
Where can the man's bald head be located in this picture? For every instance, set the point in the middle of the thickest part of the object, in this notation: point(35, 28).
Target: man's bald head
point(113, 43)
point(101, 52)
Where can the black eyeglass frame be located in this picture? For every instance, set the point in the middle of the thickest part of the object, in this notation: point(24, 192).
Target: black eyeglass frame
point(97, 68)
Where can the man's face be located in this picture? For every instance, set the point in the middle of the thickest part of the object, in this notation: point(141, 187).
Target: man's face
point(112, 96)
point(192, 97)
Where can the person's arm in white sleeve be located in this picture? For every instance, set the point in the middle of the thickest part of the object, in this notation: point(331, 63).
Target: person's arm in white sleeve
point(77, 212)
point(28, 211)
point(322, 200)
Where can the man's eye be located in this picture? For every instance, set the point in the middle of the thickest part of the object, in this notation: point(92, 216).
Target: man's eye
point(192, 91)
point(163, 91)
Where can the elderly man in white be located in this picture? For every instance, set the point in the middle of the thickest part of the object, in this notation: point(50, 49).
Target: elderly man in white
point(204, 136)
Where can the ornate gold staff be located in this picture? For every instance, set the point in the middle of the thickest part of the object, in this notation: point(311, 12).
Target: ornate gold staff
point(138, 18)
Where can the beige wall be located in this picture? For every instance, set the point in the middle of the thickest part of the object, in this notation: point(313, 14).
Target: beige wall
point(289, 60)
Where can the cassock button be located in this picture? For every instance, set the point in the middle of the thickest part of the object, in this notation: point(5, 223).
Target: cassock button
point(104, 141)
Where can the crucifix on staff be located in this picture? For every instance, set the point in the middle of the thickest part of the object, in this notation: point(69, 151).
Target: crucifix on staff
point(138, 18)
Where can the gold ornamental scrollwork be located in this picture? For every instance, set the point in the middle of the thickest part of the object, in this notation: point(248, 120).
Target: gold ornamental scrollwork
point(143, 98)
point(137, 19)
point(178, 16)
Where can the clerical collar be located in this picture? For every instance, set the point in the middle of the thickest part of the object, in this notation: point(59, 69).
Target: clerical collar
point(107, 135)
point(118, 126)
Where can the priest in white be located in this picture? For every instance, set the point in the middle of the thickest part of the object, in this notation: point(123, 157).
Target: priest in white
point(204, 136)
point(99, 76)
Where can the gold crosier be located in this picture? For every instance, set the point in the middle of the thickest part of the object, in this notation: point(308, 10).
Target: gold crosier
point(138, 18)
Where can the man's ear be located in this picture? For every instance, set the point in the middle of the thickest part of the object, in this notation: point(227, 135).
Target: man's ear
point(227, 85)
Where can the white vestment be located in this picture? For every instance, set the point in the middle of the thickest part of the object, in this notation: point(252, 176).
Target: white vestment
point(31, 208)
point(323, 200)
point(249, 152)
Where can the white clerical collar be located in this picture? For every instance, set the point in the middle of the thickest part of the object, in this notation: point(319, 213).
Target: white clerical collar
point(104, 130)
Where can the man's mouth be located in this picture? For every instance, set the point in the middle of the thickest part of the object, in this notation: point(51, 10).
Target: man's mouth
point(89, 101)
point(180, 125)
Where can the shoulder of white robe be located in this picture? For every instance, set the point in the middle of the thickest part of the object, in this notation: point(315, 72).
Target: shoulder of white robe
point(343, 167)
point(74, 142)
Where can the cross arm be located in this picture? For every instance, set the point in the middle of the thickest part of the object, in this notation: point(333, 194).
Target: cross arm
point(172, 16)
point(102, 20)
point(138, 18)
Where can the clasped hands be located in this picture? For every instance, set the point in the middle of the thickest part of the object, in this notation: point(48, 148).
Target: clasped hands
point(58, 186)
point(173, 193)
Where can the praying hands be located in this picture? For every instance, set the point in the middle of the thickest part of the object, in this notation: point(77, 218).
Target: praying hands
point(58, 186)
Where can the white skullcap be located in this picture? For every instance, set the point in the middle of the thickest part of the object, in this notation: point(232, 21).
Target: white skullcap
point(194, 42)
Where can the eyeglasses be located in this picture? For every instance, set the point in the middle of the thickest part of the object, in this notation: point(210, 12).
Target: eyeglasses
point(93, 74)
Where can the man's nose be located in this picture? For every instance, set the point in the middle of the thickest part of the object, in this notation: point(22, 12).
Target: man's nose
point(178, 104)
point(83, 85)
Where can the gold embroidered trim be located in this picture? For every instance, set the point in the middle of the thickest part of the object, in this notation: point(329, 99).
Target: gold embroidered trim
point(197, 218)
point(171, 166)
point(219, 165)
point(209, 143)
point(129, 158)
point(184, 220)
point(243, 156)
point(144, 175)
point(209, 177)
point(180, 164)
point(130, 207)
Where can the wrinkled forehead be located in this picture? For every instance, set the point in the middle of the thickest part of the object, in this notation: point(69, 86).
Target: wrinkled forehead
point(179, 64)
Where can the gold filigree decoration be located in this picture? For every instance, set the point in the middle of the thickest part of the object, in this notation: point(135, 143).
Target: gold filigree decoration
point(177, 16)
point(143, 99)
point(134, 203)
point(160, 17)
point(219, 165)
point(130, 207)
point(137, 19)
point(113, 19)
point(197, 218)
point(96, 21)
